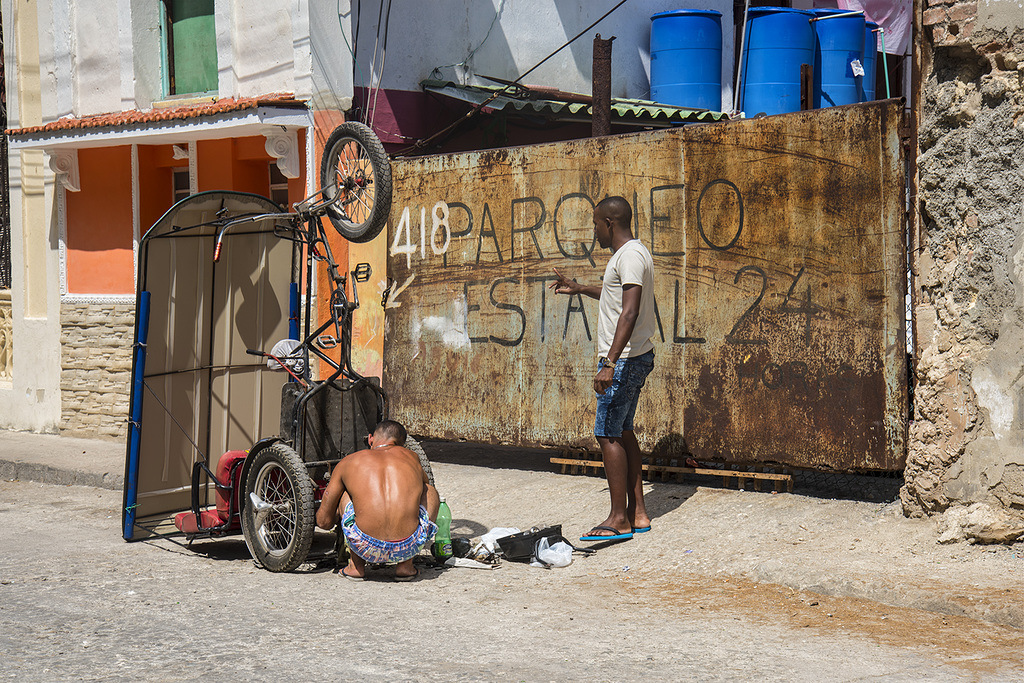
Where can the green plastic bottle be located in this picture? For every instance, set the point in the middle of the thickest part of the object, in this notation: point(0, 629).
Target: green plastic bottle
point(442, 548)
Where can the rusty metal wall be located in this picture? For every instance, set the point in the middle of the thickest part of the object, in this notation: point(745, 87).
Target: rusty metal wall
point(779, 250)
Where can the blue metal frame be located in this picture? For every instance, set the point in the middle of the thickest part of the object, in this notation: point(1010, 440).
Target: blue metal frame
point(135, 422)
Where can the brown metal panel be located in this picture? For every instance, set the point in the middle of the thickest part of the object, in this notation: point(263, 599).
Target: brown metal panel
point(190, 410)
point(778, 246)
point(795, 279)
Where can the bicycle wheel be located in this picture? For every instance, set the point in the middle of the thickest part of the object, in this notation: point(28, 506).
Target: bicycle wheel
point(277, 513)
point(355, 172)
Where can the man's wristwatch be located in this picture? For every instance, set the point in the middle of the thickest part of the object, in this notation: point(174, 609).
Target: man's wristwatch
point(603, 362)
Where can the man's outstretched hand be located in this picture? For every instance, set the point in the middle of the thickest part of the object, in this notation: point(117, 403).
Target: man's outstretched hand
point(564, 285)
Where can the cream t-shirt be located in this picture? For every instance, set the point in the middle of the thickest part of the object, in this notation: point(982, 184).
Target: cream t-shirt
point(631, 264)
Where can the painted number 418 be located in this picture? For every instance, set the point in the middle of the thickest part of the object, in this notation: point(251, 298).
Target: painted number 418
point(439, 214)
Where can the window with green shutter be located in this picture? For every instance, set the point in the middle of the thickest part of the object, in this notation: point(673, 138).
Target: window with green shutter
point(190, 47)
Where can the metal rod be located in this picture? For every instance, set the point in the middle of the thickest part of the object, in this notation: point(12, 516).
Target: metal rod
point(739, 68)
point(837, 16)
point(806, 87)
point(885, 64)
point(211, 342)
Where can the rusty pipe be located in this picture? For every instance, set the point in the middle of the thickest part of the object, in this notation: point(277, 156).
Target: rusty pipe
point(601, 118)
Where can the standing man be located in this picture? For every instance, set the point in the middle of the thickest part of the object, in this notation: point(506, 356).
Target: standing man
point(626, 323)
point(385, 502)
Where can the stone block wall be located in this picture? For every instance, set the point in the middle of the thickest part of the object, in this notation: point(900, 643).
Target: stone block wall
point(96, 364)
point(967, 437)
point(950, 22)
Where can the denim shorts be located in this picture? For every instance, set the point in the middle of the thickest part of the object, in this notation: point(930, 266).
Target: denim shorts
point(617, 405)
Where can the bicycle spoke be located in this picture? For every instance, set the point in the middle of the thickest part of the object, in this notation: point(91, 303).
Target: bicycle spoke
point(356, 196)
point(279, 527)
point(344, 158)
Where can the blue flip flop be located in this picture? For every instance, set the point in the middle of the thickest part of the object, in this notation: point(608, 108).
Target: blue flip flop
point(617, 535)
point(641, 529)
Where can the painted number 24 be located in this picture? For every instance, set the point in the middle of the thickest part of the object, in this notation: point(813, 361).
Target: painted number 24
point(439, 214)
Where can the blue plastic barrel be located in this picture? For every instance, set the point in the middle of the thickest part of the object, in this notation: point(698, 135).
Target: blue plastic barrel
point(839, 42)
point(686, 58)
point(778, 40)
point(870, 59)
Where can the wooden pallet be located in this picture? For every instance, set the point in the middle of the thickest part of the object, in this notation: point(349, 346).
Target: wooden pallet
point(579, 465)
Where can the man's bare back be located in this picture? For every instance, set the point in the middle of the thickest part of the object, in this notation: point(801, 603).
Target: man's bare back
point(387, 487)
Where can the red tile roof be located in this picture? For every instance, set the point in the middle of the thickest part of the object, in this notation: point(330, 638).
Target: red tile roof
point(188, 111)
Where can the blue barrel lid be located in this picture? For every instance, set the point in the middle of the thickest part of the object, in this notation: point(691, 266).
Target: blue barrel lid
point(787, 10)
point(686, 12)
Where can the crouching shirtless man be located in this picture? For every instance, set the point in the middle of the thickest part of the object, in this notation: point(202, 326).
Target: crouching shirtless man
point(386, 491)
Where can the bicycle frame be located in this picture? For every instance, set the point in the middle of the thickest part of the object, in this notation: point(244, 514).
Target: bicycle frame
point(207, 317)
point(304, 229)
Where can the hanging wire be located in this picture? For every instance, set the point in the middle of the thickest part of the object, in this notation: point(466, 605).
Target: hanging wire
point(477, 107)
point(463, 63)
point(358, 74)
point(351, 49)
point(383, 58)
point(367, 79)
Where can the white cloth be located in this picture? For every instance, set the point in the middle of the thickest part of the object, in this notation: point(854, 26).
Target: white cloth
point(284, 350)
point(892, 15)
point(631, 264)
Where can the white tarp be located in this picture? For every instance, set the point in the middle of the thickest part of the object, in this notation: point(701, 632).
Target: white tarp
point(894, 16)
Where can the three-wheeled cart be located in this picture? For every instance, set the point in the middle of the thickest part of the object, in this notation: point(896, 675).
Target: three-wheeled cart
point(241, 402)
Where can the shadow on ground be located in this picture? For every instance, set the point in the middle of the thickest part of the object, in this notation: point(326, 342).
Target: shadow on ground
point(881, 487)
point(493, 456)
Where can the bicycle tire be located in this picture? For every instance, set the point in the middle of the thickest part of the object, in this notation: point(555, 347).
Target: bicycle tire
point(278, 538)
point(355, 173)
point(414, 446)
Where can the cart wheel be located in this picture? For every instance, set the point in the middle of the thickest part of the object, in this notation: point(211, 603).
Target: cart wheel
point(414, 446)
point(277, 517)
point(355, 170)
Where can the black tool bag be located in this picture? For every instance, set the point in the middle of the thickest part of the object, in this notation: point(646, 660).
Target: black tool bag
point(523, 546)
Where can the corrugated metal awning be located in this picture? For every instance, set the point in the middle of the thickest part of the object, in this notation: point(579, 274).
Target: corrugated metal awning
point(532, 101)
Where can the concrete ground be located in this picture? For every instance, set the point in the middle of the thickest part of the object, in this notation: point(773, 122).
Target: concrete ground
point(806, 541)
point(79, 604)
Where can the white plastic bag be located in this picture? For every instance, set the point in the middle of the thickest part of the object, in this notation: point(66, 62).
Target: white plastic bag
point(557, 555)
point(490, 539)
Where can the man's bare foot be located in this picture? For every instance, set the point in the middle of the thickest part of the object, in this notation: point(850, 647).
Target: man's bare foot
point(350, 572)
point(606, 533)
point(404, 571)
point(609, 529)
point(643, 522)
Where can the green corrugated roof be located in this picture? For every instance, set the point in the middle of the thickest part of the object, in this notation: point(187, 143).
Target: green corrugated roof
point(639, 111)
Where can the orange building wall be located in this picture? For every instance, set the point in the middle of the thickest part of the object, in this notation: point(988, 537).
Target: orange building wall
point(156, 183)
point(99, 247)
point(368, 321)
point(241, 164)
point(99, 224)
point(324, 123)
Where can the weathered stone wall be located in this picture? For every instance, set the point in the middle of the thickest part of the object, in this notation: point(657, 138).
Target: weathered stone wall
point(96, 364)
point(967, 438)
